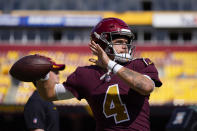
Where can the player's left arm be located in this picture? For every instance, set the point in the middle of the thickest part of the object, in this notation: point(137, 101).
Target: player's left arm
point(51, 90)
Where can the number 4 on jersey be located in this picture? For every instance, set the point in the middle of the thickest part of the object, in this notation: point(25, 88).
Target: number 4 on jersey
point(113, 106)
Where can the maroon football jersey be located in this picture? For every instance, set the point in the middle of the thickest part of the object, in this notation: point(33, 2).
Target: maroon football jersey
point(116, 107)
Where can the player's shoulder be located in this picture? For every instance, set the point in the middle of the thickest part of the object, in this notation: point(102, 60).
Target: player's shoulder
point(142, 61)
point(86, 69)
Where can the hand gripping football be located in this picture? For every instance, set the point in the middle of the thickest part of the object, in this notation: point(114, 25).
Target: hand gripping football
point(33, 67)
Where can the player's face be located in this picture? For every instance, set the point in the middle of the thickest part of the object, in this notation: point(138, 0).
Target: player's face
point(119, 44)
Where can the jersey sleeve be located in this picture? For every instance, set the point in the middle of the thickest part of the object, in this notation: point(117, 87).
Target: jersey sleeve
point(34, 115)
point(73, 84)
point(150, 70)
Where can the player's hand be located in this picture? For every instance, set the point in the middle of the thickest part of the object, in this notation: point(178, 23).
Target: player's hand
point(103, 59)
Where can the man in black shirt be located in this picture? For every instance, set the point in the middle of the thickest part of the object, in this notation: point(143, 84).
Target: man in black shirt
point(39, 114)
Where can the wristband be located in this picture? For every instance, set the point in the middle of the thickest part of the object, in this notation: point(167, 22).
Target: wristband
point(45, 78)
point(114, 67)
point(111, 64)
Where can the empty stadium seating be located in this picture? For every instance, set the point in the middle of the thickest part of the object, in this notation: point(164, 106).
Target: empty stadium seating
point(177, 70)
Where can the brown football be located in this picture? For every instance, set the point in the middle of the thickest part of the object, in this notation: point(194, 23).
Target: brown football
point(31, 68)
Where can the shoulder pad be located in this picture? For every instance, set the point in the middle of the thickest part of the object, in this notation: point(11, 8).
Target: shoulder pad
point(147, 61)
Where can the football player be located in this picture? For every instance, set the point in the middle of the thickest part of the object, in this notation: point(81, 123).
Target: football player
point(117, 86)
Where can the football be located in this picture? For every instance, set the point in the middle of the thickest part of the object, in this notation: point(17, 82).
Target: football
point(31, 68)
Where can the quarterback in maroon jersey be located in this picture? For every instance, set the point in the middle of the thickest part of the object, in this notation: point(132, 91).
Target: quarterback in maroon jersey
point(117, 86)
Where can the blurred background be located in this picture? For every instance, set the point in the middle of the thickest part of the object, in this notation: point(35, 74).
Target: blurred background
point(165, 32)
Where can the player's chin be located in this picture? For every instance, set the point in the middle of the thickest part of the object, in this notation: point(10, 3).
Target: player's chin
point(122, 52)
